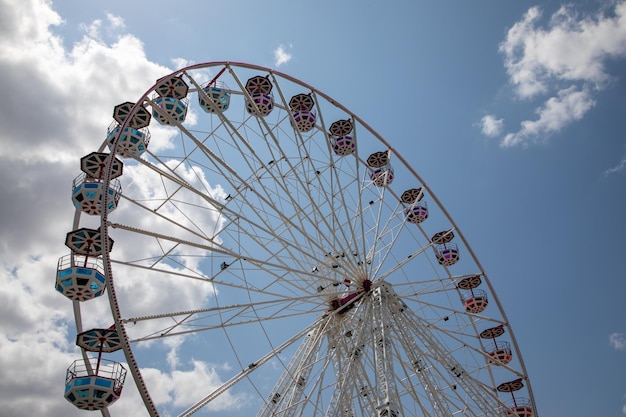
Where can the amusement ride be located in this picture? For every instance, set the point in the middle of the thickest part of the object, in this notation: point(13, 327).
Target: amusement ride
point(239, 217)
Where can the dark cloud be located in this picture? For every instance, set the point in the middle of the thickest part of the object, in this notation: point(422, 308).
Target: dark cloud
point(36, 206)
point(56, 106)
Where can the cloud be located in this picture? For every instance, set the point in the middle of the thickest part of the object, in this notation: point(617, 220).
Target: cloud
point(617, 168)
point(61, 103)
point(570, 49)
point(180, 388)
point(557, 112)
point(490, 126)
point(33, 366)
point(112, 27)
point(618, 341)
point(115, 22)
point(566, 59)
point(281, 56)
point(178, 62)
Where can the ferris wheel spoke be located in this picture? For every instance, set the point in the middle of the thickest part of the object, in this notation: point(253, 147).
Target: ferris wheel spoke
point(400, 264)
point(230, 322)
point(447, 313)
point(357, 226)
point(374, 228)
point(431, 285)
point(268, 131)
point(269, 207)
point(196, 275)
point(235, 309)
point(307, 159)
point(378, 237)
point(386, 249)
point(161, 202)
point(305, 186)
point(340, 206)
point(273, 289)
point(310, 214)
point(314, 248)
point(259, 263)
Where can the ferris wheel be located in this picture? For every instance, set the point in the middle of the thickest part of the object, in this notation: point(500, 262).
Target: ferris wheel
point(239, 222)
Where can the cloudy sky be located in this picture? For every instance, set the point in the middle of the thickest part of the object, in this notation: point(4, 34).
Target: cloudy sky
point(512, 111)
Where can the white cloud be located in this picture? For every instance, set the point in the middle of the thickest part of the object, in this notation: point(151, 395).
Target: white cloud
point(178, 62)
point(93, 29)
point(557, 112)
point(33, 366)
point(112, 27)
point(571, 49)
point(184, 385)
point(621, 165)
point(281, 56)
point(519, 49)
point(115, 22)
point(180, 388)
point(618, 341)
point(566, 60)
point(490, 126)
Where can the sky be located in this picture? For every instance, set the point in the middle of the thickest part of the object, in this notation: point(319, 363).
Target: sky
point(513, 112)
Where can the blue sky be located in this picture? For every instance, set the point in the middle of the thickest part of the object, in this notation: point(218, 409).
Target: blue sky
point(513, 112)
